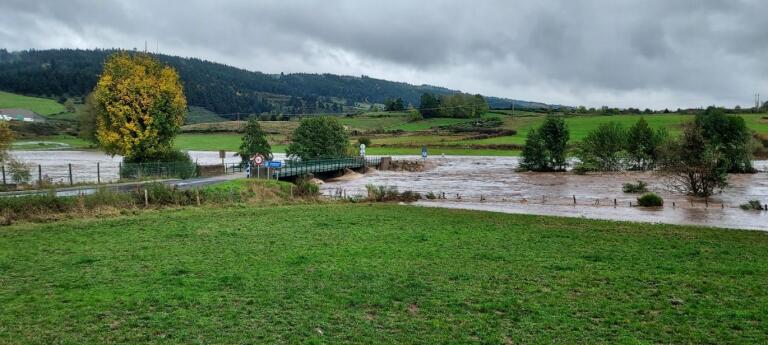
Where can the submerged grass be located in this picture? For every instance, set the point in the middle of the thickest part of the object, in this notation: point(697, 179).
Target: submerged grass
point(343, 273)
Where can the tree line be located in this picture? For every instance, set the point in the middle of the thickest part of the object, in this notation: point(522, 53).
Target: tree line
point(61, 73)
point(697, 163)
point(458, 105)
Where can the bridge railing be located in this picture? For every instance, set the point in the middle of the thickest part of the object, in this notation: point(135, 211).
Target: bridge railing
point(303, 167)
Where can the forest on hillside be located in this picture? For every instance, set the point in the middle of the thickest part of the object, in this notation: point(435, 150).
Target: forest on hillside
point(217, 87)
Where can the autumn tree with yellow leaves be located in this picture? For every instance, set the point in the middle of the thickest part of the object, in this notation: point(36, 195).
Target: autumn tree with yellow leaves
point(139, 105)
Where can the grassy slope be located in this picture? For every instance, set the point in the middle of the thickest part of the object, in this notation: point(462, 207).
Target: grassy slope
point(357, 273)
point(42, 106)
point(202, 115)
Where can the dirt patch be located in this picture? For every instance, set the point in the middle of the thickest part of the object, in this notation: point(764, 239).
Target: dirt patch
point(316, 181)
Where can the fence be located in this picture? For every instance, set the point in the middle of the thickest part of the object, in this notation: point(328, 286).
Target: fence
point(627, 200)
point(93, 172)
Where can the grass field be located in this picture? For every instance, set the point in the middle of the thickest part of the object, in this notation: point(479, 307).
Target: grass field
point(352, 273)
point(416, 135)
point(42, 106)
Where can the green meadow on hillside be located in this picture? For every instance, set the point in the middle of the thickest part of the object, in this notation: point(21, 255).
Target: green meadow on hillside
point(42, 106)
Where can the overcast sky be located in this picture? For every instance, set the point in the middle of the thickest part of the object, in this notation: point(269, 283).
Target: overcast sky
point(642, 53)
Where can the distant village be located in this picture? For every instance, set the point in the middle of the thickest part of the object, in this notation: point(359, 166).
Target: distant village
point(18, 115)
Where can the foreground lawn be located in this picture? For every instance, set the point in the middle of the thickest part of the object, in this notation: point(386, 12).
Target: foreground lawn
point(378, 274)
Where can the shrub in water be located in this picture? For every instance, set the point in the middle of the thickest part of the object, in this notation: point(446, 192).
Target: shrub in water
point(752, 205)
point(639, 187)
point(650, 200)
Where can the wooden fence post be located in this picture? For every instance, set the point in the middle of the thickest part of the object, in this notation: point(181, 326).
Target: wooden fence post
point(146, 198)
point(574, 199)
point(39, 175)
point(197, 196)
point(70, 174)
point(4, 175)
point(98, 173)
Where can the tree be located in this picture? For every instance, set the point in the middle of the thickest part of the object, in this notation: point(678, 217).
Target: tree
point(693, 165)
point(319, 137)
point(429, 106)
point(254, 141)
point(6, 138)
point(87, 121)
point(602, 149)
point(140, 106)
point(555, 134)
point(730, 136)
point(534, 155)
point(545, 147)
point(394, 104)
point(643, 145)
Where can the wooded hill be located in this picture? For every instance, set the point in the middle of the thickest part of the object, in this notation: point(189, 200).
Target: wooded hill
point(217, 87)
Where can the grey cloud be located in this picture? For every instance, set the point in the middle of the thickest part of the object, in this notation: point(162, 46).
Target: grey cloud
point(652, 53)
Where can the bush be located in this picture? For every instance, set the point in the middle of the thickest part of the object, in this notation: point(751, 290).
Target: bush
point(650, 200)
point(431, 196)
point(19, 171)
point(171, 164)
point(752, 205)
point(364, 141)
point(304, 187)
point(639, 187)
point(390, 193)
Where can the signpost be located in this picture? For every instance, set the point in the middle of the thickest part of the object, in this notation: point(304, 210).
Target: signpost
point(362, 150)
point(424, 152)
point(257, 160)
point(274, 165)
point(222, 154)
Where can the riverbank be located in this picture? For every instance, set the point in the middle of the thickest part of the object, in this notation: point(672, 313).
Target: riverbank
point(381, 273)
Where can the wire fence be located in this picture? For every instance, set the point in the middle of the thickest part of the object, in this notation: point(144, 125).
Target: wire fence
point(543, 200)
point(70, 174)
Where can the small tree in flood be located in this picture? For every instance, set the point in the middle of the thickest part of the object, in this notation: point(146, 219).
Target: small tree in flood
point(692, 165)
point(643, 145)
point(603, 148)
point(545, 147)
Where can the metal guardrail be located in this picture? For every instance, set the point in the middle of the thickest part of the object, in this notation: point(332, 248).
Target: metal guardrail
point(297, 168)
point(291, 168)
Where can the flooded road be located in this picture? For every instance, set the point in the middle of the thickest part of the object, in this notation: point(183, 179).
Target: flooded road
point(491, 183)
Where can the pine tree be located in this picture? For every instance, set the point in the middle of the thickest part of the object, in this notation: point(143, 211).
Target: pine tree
point(254, 141)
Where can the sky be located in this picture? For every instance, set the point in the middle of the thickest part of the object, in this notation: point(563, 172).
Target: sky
point(619, 53)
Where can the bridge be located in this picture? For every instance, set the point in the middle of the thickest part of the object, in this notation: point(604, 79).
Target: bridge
point(292, 169)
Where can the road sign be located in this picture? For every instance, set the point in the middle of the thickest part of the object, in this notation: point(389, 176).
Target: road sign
point(275, 164)
point(257, 159)
point(424, 152)
point(222, 154)
point(362, 150)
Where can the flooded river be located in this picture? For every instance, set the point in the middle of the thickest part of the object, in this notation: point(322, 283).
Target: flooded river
point(491, 183)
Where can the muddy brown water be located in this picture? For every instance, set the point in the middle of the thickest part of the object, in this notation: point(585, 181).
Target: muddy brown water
point(54, 164)
point(492, 184)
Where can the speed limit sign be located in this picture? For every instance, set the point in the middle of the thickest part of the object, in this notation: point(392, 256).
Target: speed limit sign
point(258, 159)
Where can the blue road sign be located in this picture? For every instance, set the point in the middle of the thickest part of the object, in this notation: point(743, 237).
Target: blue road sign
point(424, 151)
point(275, 164)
